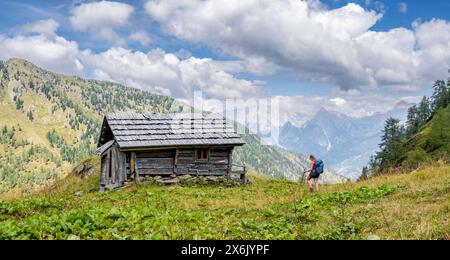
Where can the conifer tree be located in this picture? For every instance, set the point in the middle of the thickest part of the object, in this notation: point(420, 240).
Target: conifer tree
point(412, 121)
point(391, 142)
point(440, 97)
point(424, 111)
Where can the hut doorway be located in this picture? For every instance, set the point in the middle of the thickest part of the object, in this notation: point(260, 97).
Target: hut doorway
point(105, 169)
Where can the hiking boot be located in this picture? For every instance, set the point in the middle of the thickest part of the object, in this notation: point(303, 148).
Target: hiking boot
point(311, 189)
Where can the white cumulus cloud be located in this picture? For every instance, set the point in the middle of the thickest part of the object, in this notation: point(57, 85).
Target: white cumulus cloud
point(338, 101)
point(45, 27)
point(162, 72)
point(53, 53)
point(141, 37)
point(332, 46)
point(101, 18)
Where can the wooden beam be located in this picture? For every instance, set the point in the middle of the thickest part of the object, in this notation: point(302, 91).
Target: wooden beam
point(230, 162)
point(122, 167)
point(133, 168)
point(132, 164)
point(114, 165)
point(175, 162)
point(137, 178)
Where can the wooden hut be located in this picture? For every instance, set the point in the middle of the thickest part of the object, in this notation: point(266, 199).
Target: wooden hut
point(134, 145)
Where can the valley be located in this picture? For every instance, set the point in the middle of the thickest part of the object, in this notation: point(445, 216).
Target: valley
point(344, 142)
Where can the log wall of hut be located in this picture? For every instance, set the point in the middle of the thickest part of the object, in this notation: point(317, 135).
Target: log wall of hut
point(155, 162)
point(217, 163)
point(177, 161)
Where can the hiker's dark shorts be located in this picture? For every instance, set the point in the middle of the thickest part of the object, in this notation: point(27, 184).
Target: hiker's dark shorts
point(313, 175)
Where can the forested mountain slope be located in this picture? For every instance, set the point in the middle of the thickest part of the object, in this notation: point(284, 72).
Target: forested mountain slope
point(423, 140)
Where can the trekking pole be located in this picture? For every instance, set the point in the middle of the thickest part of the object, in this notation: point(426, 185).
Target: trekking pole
point(302, 178)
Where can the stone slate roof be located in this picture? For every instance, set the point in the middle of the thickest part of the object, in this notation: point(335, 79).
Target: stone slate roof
point(134, 130)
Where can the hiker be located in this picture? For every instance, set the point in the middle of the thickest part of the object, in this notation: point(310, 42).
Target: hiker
point(315, 169)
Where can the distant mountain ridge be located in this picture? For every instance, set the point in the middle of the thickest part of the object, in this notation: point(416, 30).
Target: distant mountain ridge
point(49, 122)
point(344, 143)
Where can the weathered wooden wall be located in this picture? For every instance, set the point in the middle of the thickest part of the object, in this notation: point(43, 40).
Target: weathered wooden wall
point(186, 162)
point(113, 168)
point(157, 162)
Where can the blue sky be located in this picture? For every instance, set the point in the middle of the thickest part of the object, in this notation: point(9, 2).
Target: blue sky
point(249, 62)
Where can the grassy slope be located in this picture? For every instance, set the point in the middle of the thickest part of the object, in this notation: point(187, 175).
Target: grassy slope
point(432, 143)
point(408, 206)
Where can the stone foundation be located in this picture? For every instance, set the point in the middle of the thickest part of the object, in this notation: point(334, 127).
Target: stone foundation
point(187, 180)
